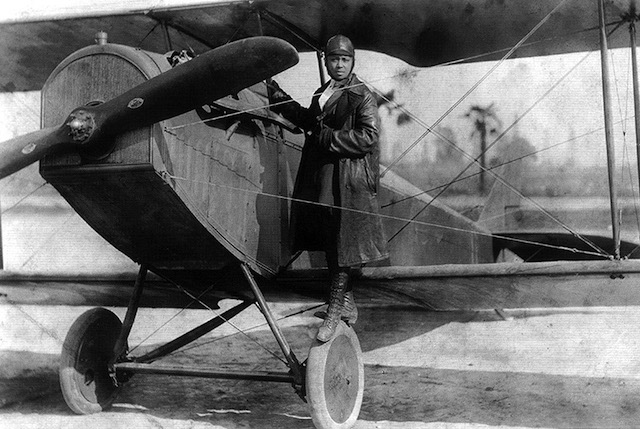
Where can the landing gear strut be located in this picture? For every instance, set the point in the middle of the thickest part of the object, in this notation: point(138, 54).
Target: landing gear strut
point(95, 362)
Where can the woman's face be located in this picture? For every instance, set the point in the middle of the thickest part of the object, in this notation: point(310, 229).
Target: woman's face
point(339, 66)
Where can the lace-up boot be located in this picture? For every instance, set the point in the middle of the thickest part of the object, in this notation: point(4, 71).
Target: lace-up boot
point(349, 310)
point(336, 304)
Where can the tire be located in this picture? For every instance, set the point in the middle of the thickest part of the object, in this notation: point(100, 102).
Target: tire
point(335, 380)
point(88, 347)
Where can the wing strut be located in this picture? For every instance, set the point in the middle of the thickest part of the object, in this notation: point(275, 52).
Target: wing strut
point(606, 98)
point(285, 25)
point(636, 90)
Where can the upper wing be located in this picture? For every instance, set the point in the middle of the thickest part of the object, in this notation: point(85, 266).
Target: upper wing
point(422, 33)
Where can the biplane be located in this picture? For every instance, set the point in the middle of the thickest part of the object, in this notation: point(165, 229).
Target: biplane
point(183, 167)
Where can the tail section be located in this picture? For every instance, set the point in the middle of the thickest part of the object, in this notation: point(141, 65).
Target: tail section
point(502, 209)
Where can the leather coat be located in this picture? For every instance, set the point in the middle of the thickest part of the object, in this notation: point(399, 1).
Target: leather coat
point(339, 170)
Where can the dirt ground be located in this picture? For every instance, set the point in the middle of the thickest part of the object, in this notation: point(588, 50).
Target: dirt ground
point(558, 369)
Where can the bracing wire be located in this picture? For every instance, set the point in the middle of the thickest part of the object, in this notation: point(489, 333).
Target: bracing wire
point(384, 216)
point(17, 203)
point(626, 157)
point(239, 330)
point(497, 139)
point(298, 148)
point(143, 39)
point(497, 177)
point(373, 81)
point(474, 161)
point(49, 238)
point(261, 325)
point(495, 167)
point(474, 86)
point(430, 130)
point(601, 252)
point(186, 307)
point(625, 154)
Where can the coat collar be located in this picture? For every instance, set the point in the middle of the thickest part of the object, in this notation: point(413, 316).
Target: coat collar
point(352, 86)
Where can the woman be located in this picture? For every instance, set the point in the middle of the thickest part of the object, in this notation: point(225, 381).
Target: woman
point(338, 176)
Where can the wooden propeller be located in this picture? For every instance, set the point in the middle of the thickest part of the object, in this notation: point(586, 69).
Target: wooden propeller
point(208, 77)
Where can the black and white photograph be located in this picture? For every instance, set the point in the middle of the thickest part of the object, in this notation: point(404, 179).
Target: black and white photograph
point(319, 214)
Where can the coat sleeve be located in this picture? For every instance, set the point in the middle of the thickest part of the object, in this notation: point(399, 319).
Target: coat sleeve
point(358, 140)
point(289, 108)
point(300, 116)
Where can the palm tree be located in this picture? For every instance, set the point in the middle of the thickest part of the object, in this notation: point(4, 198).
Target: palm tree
point(388, 100)
point(486, 122)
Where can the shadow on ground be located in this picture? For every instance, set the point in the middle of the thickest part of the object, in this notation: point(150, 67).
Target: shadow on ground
point(394, 394)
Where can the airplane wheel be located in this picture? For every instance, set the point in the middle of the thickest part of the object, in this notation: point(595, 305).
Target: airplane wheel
point(335, 380)
point(87, 349)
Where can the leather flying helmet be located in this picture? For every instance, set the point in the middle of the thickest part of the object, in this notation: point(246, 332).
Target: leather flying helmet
point(339, 45)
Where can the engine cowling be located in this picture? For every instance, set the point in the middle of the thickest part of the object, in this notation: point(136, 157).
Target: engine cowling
point(184, 195)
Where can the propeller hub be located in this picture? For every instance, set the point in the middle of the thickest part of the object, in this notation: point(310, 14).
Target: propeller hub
point(81, 124)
